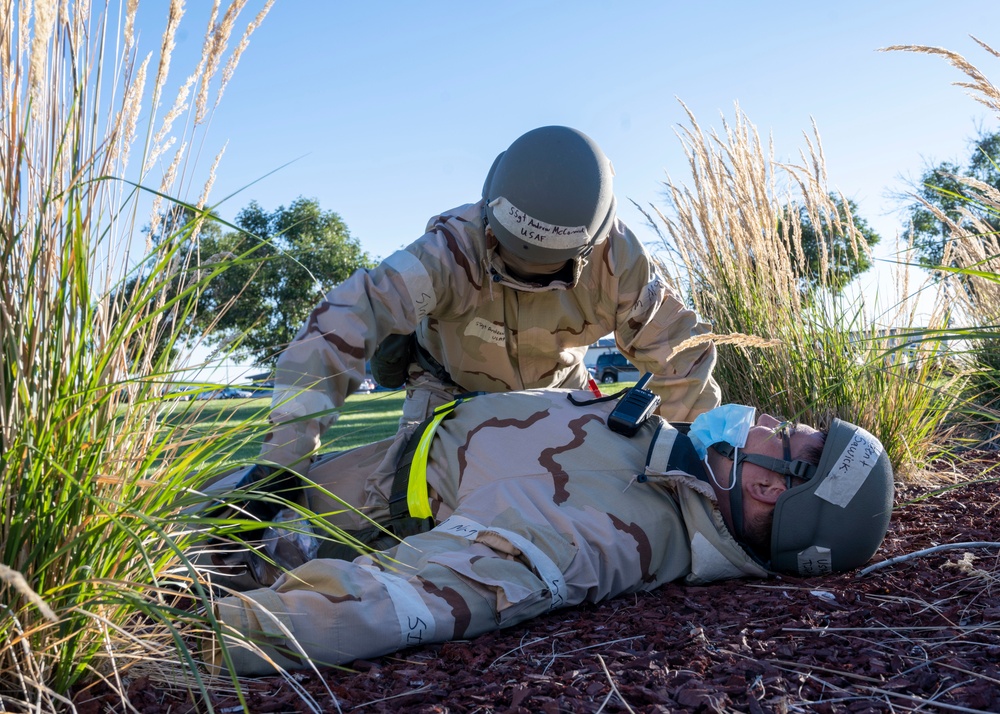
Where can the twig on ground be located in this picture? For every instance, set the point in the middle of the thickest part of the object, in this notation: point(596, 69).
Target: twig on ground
point(394, 696)
point(963, 629)
point(520, 647)
point(551, 660)
point(567, 653)
point(926, 551)
point(978, 675)
point(614, 689)
point(798, 667)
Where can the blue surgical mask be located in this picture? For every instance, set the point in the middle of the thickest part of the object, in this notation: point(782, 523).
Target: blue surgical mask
point(729, 423)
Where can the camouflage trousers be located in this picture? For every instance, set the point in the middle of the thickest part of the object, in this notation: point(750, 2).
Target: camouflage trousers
point(453, 582)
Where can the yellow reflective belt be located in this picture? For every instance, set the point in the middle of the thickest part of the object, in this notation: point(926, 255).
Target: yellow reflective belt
point(416, 491)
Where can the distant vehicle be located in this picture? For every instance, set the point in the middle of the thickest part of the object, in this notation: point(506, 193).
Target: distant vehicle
point(234, 393)
point(225, 393)
point(613, 367)
point(181, 394)
point(367, 386)
point(261, 389)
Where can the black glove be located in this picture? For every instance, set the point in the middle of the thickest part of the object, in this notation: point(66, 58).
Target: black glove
point(263, 480)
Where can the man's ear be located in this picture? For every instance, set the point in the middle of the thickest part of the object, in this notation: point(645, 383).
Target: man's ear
point(766, 489)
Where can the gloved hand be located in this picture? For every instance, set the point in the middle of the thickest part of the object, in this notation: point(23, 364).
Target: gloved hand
point(261, 481)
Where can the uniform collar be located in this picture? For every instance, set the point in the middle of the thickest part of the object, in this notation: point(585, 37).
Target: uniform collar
point(672, 450)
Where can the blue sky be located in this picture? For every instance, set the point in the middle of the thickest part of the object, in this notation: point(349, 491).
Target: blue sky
point(395, 110)
point(392, 111)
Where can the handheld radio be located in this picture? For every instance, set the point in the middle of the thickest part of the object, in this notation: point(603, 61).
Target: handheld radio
point(634, 408)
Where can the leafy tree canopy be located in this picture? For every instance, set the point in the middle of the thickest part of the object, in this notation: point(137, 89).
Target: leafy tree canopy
point(939, 188)
point(280, 264)
point(844, 258)
point(163, 286)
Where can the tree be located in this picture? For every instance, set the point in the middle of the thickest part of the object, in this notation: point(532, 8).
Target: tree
point(844, 259)
point(280, 264)
point(940, 187)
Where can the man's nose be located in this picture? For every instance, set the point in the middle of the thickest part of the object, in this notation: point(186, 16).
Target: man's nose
point(766, 420)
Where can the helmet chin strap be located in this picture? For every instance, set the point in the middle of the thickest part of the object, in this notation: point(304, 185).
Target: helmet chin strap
point(736, 497)
point(735, 487)
point(787, 467)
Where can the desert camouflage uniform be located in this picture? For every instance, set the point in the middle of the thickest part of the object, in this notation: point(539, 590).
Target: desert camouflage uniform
point(491, 331)
point(538, 505)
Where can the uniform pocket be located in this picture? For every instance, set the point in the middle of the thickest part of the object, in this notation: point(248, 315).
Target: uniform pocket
point(511, 588)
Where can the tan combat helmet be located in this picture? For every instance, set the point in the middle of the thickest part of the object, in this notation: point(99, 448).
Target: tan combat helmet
point(549, 196)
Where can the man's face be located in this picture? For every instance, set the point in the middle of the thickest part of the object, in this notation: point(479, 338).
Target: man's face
point(521, 268)
point(762, 487)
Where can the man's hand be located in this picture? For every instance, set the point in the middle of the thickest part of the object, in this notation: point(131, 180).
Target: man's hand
point(262, 493)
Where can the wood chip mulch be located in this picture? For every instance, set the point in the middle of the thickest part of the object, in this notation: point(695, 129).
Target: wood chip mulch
point(919, 635)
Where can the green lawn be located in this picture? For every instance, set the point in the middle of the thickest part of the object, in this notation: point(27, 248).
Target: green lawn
point(364, 418)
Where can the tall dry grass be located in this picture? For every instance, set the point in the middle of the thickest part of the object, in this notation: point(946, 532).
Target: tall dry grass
point(91, 146)
point(973, 256)
point(971, 262)
point(733, 236)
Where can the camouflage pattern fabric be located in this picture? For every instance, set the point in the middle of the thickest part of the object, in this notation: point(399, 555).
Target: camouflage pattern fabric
point(538, 505)
point(493, 332)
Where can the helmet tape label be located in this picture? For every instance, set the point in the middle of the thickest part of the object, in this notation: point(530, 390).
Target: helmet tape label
point(531, 230)
point(851, 469)
point(815, 560)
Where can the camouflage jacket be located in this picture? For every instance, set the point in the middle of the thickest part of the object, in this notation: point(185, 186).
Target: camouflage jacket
point(492, 332)
point(538, 505)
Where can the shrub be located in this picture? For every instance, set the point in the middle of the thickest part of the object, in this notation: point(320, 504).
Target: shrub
point(734, 237)
point(89, 480)
point(971, 259)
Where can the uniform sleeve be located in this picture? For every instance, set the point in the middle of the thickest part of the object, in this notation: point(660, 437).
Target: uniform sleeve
point(652, 320)
point(326, 360)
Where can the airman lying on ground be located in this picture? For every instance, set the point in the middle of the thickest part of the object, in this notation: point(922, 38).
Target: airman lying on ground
point(510, 505)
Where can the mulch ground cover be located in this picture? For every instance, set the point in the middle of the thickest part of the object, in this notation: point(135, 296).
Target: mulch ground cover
point(922, 634)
